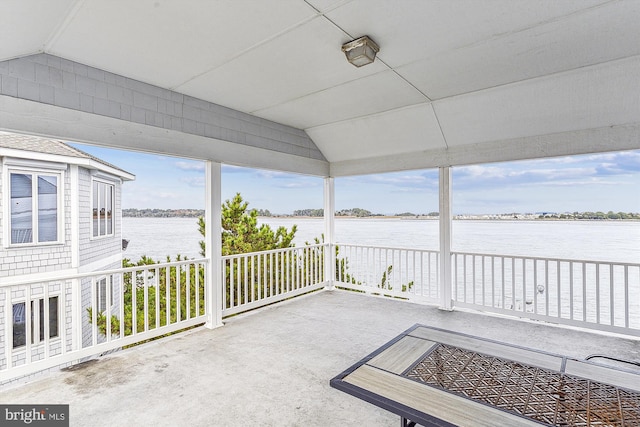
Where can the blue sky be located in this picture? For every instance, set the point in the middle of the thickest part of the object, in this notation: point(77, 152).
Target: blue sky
point(599, 182)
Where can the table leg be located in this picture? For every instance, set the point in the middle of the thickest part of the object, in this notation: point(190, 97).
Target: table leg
point(406, 423)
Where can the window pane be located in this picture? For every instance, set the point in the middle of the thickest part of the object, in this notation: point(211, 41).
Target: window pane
point(109, 205)
point(19, 320)
point(95, 209)
point(103, 201)
point(47, 208)
point(21, 208)
point(53, 317)
point(102, 210)
point(41, 323)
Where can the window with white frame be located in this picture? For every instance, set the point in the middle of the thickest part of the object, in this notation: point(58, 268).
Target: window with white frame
point(36, 322)
point(35, 199)
point(102, 208)
point(104, 286)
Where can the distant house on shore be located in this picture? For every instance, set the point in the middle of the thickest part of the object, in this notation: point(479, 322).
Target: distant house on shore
point(61, 215)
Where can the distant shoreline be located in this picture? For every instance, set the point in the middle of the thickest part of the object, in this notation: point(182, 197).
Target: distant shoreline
point(507, 218)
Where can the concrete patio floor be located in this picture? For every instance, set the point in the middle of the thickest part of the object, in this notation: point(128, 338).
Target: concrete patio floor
point(272, 367)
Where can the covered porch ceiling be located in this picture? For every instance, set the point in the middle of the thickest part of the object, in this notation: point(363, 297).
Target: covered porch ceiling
point(455, 82)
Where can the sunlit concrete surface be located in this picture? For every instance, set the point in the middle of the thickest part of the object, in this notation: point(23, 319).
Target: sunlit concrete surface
point(272, 367)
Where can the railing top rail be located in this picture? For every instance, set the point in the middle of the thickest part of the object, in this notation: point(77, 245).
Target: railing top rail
point(387, 247)
point(58, 276)
point(291, 249)
point(587, 261)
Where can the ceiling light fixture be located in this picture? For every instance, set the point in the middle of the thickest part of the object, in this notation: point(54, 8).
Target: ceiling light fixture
point(361, 51)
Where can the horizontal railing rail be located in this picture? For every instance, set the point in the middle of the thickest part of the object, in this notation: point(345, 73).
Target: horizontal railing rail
point(53, 322)
point(257, 279)
point(600, 295)
point(399, 272)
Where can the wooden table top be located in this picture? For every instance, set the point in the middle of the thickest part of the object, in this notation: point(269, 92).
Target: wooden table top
point(443, 378)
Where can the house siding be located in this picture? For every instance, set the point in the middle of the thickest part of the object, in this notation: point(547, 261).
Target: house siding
point(94, 249)
point(57, 81)
point(94, 254)
point(87, 288)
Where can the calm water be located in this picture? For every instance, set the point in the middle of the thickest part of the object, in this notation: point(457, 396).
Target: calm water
point(592, 240)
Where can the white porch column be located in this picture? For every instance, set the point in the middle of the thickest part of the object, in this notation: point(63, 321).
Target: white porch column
point(446, 302)
point(329, 232)
point(213, 243)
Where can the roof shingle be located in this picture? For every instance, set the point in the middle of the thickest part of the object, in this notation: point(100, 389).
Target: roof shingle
point(46, 146)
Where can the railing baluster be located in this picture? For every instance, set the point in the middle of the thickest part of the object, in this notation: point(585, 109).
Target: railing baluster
point(535, 285)
point(584, 292)
point(287, 269)
point(146, 299)
point(598, 294)
point(611, 295)
point(178, 294)
point(503, 300)
point(245, 263)
point(571, 291)
point(482, 260)
point(196, 287)
point(559, 289)
point(253, 278)
point(8, 326)
point(626, 296)
point(546, 287)
point(62, 317)
point(167, 290)
point(513, 283)
point(232, 282)
point(157, 293)
point(524, 285)
point(45, 321)
point(278, 275)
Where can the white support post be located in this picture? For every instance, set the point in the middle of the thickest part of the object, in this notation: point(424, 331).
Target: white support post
point(77, 315)
point(329, 232)
point(446, 302)
point(213, 244)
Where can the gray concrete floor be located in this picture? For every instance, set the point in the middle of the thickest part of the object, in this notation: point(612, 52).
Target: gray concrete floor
point(272, 367)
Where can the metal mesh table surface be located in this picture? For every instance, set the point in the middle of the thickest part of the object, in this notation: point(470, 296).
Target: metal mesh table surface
point(547, 396)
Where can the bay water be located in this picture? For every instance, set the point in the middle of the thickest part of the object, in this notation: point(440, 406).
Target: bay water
point(617, 241)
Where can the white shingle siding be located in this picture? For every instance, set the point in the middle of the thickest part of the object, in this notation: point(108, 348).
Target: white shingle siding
point(52, 80)
point(86, 291)
point(94, 249)
point(34, 259)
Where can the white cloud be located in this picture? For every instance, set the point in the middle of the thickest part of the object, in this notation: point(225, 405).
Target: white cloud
point(190, 165)
point(193, 181)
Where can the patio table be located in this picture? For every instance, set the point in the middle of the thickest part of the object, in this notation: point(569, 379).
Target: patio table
point(434, 377)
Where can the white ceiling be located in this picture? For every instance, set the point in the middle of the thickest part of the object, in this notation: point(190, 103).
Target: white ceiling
point(450, 73)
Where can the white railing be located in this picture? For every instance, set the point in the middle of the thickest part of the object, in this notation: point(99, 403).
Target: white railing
point(397, 272)
point(60, 320)
point(53, 322)
point(257, 279)
point(592, 294)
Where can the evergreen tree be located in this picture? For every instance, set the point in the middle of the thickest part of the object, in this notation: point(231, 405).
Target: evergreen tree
point(241, 233)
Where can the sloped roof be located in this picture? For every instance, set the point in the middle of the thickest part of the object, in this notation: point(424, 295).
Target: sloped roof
point(35, 144)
